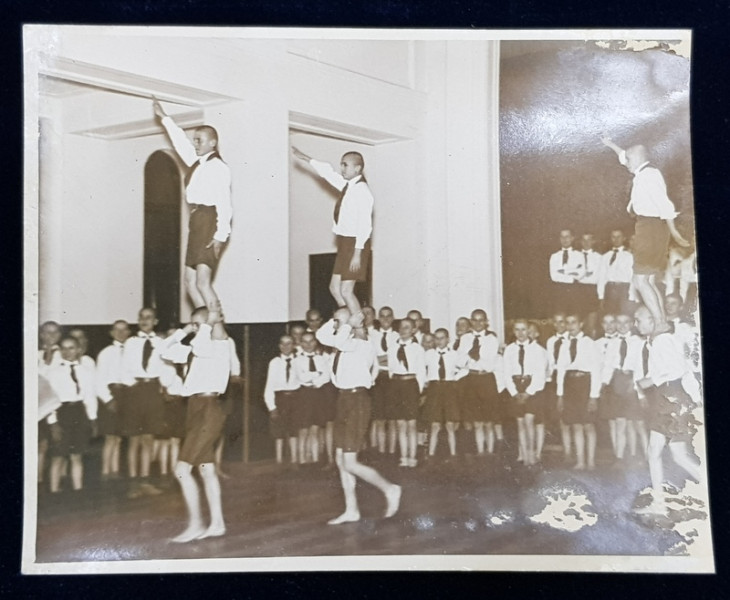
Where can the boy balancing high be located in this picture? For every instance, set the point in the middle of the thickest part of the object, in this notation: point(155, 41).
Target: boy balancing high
point(655, 215)
point(208, 192)
point(353, 224)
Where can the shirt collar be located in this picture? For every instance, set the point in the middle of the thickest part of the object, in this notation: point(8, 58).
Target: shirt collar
point(142, 334)
point(641, 167)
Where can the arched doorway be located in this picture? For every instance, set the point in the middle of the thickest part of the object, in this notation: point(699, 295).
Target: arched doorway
point(163, 189)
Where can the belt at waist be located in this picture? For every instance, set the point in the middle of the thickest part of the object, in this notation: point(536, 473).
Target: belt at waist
point(286, 392)
point(478, 372)
point(404, 377)
point(147, 379)
point(71, 403)
point(205, 395)
point(353, 390)
point(194, 207)
point(577, 373)
point(623, 371)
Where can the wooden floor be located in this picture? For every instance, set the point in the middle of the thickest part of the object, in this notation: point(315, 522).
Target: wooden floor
point(476, 506)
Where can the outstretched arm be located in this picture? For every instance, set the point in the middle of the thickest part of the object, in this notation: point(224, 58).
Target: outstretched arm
point(300, 155)
point(676, 235)
point(607, 141)
point(183, 146)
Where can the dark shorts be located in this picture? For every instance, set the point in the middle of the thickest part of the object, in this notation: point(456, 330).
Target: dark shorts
point(480, 399)
point(565, 297)
point(670, 412)
point(108, 418)
point(147, 408)
point(353, 419)
point(576, 393)
point(380, 398)
point(283, 426)
point(616, 299)
point(650, 245)
point(586, 298)
point(533, 405)
point(404, 397)
point(302, 409)
point(202, 227)
point(442, 402)
point(174, 418)
point(345, 251)
point(203, 428)
point(75, 430)
point(620, 400)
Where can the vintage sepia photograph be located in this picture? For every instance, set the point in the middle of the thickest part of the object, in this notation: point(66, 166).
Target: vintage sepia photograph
point(351, 299)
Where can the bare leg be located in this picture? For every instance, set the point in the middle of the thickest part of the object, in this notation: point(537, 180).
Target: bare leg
point(631, 437)
point(498, 432)
point(329, 440)
point(347, 480)
point(147, 442)
point(132, 451)
point(163, 455)
point(174, 451)
point(682, 458)
point(403, 441)
point(489, 432)
point(479, 436)
point(56, 466)
point(412, 441)
point(106, 455)
point(314, 443)
point(590, 434)
point(392, 436)
point(620, 437)
point(347, 289)
point(565, 435)
point(77, 471)
point(645, 285)
point(530, 438)
point(191, 496)
point(293, 449)
point(279, 445)
point(115, 454)
point(451, 436)
point(204, 282)
point(42, 450)
point(522, 439)
point(336, 291)
point(656, 471)
point(373, 434)
point(380, 435)
point(191, 287)
point(435, 428)
point(540, 440)
point(579, 446)
point(212, 487)
point(643, 436)
point(302, 445)
point(612, 431)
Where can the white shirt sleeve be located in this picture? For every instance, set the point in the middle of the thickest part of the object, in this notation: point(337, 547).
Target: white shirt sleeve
point(180, 141)
point(326, 172)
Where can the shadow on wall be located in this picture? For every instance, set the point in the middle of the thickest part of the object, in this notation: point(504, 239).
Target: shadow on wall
point(555, 105)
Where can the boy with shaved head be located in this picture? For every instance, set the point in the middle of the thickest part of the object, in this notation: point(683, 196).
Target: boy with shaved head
point(352, 223)
point(655, 214)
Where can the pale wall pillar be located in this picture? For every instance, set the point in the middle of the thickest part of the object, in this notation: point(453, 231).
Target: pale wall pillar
point(472, 180)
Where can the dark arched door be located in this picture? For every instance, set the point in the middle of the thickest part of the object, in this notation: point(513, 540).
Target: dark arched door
point(163, 191)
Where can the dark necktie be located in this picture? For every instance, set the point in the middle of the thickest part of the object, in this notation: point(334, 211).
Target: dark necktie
point(565, 257)
point(336, 363)
point(456, 343)
point(146, 353)
point(474, 351)
point(556, 348)
point(288, 369)
point(75, 379)
point(573, 349)
point(613, 257)
point(622, 352)
point(585, 259)
point(384, 342)
point(442, 366)
point(312, 366)
point(195, 165)
point(401, 355)
point(338, 206)
point(191, 358)
point(521, 358)
point(645, 358)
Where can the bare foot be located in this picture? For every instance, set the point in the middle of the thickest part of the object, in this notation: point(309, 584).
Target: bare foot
point(190, 534)
point(393, 498)
point(344, 518)
point(212, 531)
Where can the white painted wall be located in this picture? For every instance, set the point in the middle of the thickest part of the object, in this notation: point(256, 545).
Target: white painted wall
point(436, 241)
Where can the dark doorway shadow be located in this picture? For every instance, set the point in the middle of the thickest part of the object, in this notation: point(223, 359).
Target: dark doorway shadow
point(320, 273)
